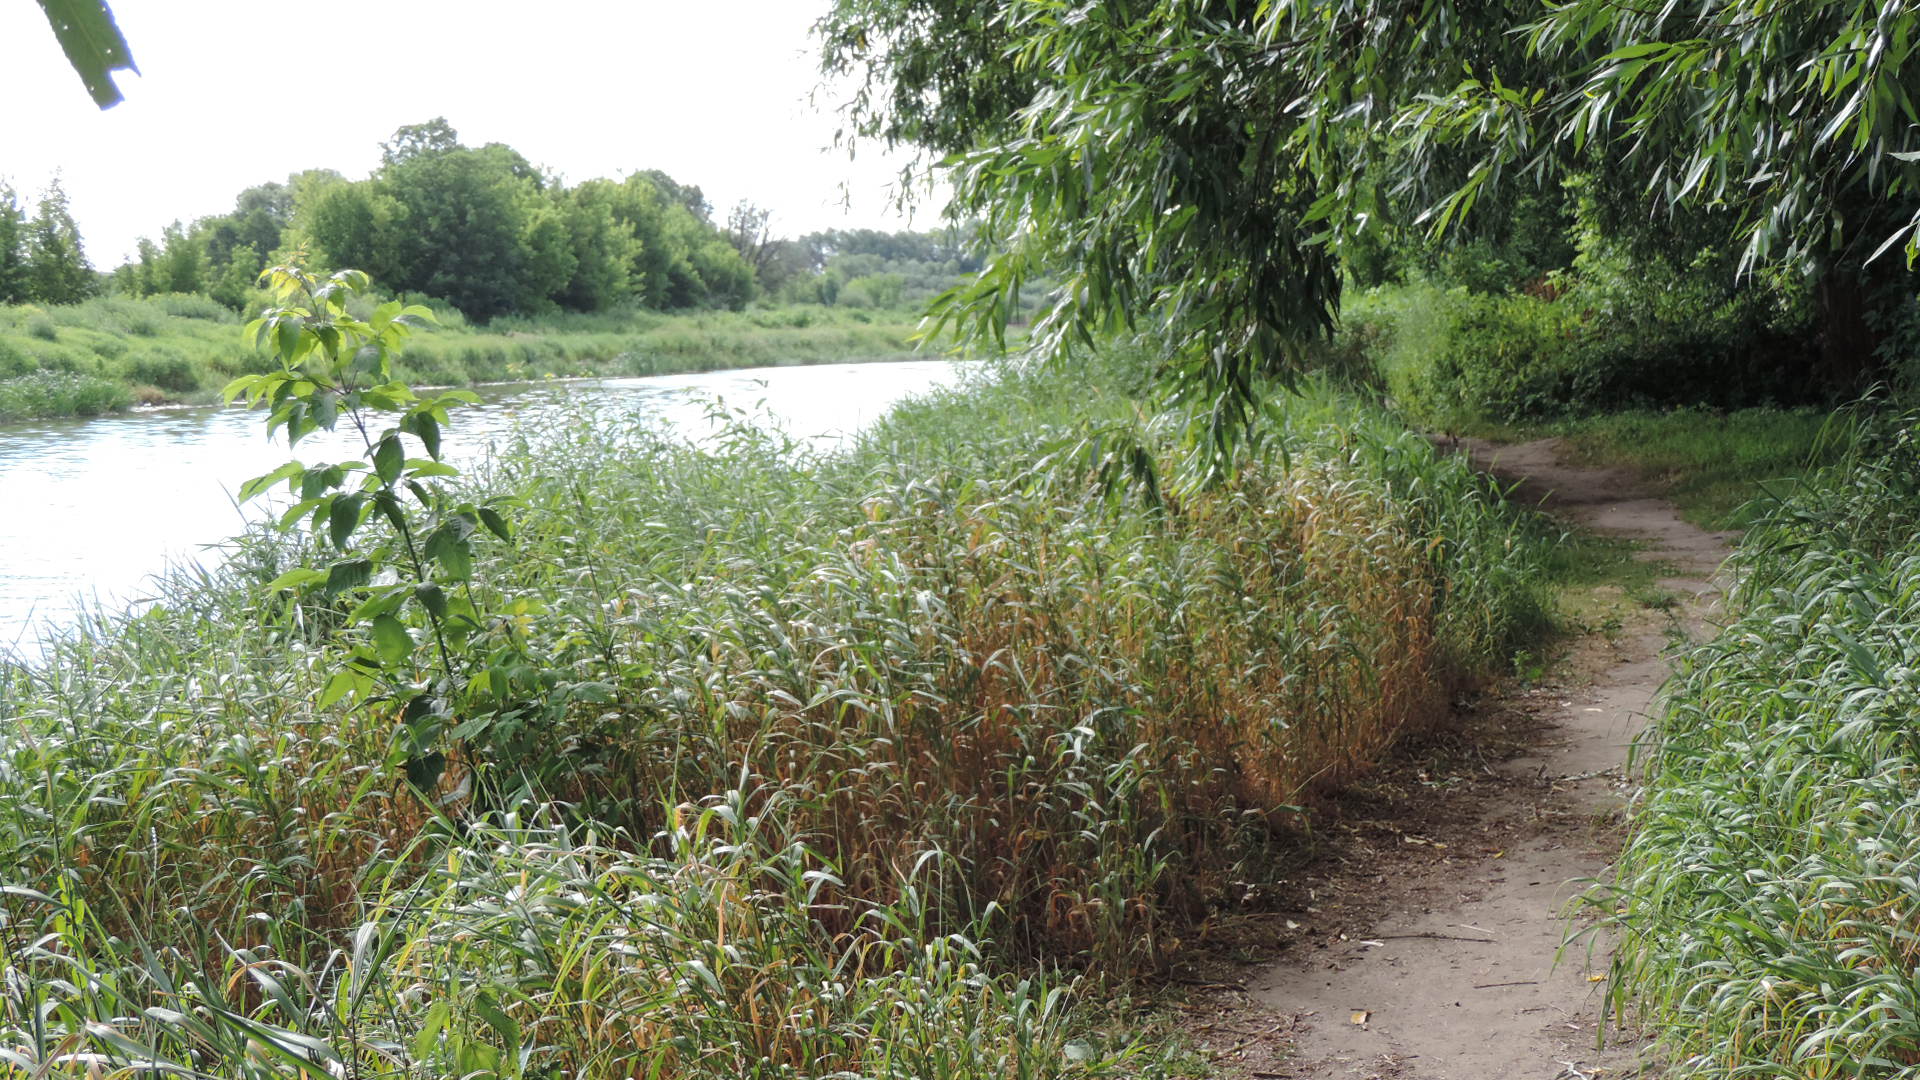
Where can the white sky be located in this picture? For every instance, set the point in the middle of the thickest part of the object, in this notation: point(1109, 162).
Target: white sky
point(237, 92)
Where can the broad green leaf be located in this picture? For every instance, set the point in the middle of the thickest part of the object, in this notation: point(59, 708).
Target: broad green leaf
point(502, 1024)
point(348, 574)
point(495, 524)
point(252, 488)
point(93, 43)
point(384, 601)
point(294, 579)
point(456, 558)
point(433, 598)
point(420, 468)
point(424, 770)
point(339, 685)
point(343, 517)
point(388, 459)
point(391, 642)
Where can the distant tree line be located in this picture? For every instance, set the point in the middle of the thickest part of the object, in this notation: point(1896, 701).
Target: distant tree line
point(491, 234)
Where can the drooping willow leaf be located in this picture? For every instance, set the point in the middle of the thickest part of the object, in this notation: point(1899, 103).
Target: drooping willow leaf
point(93, 44)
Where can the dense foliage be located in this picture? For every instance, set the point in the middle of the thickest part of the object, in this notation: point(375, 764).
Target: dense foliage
point(1767, 892)
point(41, 256)
point(488, 233)
point(975, 689)
point(1208, 171)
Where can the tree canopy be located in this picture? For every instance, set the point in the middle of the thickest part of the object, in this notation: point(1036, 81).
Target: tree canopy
point(1201, 170)
point(57, 269)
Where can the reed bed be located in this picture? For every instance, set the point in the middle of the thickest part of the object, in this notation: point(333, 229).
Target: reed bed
point(1769, 894)
point(820, 766)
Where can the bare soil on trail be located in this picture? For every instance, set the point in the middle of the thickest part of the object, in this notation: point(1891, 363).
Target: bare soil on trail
point(1426, 938)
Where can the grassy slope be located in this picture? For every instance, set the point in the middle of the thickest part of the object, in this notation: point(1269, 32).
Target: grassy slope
point(107, 353)
point(950, 688)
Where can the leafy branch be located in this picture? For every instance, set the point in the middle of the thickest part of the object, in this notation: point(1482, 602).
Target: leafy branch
point(410, 585)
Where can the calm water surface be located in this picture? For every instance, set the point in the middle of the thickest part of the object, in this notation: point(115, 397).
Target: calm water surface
point(91, 509)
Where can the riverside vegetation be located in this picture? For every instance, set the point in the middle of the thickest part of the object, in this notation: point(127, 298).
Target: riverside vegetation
point(1766, 897)
point(107, 353)
point(627, 277)
point(947, 723)
point(760, 763)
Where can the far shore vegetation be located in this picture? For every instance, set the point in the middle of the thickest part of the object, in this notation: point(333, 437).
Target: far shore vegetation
point(639, 276)
point(110, 353)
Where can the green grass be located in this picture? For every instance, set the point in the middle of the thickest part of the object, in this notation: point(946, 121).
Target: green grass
point(1722, 469)
point(1767, 898)
point(187, 348)
point(819, 766)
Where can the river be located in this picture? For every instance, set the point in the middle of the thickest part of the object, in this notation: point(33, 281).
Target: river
point(90, 510)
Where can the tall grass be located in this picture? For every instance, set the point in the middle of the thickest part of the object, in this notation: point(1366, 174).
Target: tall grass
point(819, 754)
point(1769, 894)
point(51, 393)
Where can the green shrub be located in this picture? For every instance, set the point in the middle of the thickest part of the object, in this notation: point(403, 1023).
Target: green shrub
point(162, 367)
point(14, 361)
point(42, 327)
point(196, 306)
point(54, 394)
point(1454, 358)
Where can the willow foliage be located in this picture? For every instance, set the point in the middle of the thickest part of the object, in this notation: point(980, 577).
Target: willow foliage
point(1193, 168)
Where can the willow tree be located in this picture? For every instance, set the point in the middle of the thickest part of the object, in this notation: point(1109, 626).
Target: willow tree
point(1185, 168)
point(1794, 121)
point(1194, 168)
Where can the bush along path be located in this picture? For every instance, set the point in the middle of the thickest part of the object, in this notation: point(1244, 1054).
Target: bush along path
point(1428, 941)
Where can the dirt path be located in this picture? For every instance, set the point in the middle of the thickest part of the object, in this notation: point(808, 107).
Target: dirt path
point(1435, 957)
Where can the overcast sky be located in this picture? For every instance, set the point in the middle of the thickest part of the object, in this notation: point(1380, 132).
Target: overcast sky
point(235, 92)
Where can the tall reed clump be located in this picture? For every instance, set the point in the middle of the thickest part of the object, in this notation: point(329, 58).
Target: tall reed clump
point(792, 763)
point(1769, 899)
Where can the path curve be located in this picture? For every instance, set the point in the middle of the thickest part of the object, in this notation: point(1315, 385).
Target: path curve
point(1459, 980)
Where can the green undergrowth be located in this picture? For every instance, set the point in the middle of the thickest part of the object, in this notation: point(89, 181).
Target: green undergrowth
point(1722, 469)
point(1767, 900)
point(858, 765)
point(186, 348)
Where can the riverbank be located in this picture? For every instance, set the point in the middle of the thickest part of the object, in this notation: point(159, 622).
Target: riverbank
point(823, 762)
point(111, 353)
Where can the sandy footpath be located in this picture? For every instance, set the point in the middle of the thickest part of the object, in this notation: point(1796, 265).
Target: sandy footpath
point(1453, 968)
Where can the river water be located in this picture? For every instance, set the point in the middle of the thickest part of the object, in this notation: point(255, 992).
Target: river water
point(90, 510)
